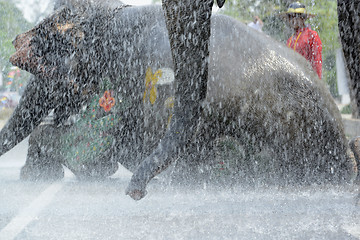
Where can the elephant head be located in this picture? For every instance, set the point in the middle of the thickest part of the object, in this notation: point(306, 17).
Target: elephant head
point(65, 76)
point(54, 48)
point(68, 45)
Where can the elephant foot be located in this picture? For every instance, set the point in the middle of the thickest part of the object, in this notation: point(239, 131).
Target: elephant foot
point(355, 148)
point(43, 162)
point(42, 173)
point(136, 191)
point(136, 194)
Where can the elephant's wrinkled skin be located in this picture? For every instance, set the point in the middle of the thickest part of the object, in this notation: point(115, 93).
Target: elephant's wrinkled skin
point(259, 92)
point(349, 29)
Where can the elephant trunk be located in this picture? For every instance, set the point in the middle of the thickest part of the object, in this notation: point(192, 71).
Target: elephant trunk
point(32, 108)
point(48, 90)
point(348, 29)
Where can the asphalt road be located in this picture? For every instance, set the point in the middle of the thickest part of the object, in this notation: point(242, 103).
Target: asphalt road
point(69, 209)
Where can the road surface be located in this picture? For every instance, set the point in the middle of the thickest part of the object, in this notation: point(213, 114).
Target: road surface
point(70, 209)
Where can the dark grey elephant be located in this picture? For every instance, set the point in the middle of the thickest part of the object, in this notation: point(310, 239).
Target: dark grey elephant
point(258, 92)
point(349, 29)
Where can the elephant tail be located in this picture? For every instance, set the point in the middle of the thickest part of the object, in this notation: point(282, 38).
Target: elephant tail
point(355, 148)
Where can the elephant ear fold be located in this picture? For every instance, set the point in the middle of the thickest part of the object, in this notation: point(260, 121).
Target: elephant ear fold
point(220, 3)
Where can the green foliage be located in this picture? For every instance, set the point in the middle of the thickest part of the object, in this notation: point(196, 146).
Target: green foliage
point(346, 109)
point(325, 23)
point(12, 23)
point(245, 10)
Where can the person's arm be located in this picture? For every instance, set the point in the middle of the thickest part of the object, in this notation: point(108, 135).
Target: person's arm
point(316, 53)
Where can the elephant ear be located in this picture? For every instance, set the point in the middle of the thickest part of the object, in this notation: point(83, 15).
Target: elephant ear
point(220, 3)
point(74, 5)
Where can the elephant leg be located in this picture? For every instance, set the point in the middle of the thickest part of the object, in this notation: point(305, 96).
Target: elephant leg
point(355, 148)
point(190, 55)
point(86, 163)
point(97, 170)
point(43, 161)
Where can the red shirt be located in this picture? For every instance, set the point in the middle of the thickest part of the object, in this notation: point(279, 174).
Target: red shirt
point(307, 42)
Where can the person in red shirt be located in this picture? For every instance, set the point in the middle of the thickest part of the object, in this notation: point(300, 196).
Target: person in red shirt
point(304, 40)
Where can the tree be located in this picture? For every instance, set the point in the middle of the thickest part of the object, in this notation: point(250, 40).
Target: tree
point(12, 23)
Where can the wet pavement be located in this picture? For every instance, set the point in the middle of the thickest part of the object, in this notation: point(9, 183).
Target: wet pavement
point(70, 209)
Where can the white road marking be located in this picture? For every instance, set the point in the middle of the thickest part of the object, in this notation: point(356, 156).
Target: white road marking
point(17, 224)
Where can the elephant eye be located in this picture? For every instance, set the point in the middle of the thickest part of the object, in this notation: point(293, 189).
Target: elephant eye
point(62, 28)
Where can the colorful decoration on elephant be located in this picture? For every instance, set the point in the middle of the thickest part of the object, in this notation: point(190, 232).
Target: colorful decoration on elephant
point(107, 101)
point(90, 136)
point(150, 85)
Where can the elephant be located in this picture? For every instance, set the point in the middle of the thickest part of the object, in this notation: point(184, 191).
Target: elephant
point(348, 15)
point(259, 93)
